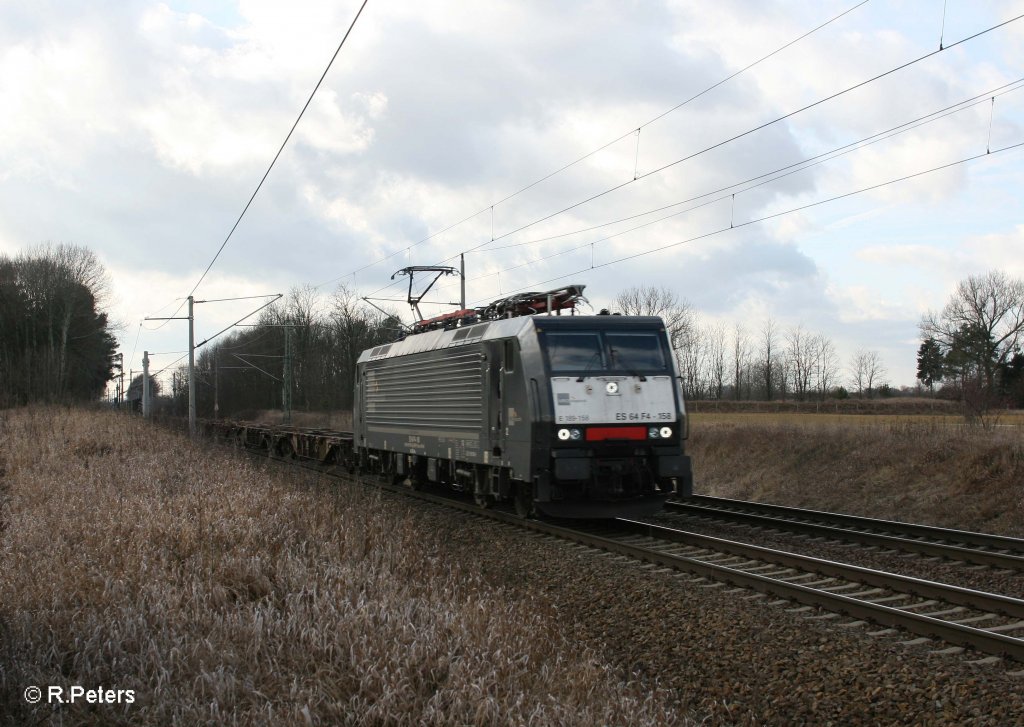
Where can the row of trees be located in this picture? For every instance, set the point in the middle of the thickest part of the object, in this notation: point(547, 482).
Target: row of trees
point(311, 340)
point(972, 347)
point(765, 363)
point(56, 344)
point(315, 341)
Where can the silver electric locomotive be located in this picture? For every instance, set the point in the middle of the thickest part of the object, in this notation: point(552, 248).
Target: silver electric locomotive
point(566, 415)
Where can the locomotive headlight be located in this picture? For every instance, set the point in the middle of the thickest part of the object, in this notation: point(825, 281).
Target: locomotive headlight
point(652, 433)
point(564, 434)
point(665, 432)
point(575, 434)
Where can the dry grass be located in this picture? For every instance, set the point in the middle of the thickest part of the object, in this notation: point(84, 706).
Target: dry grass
point(878, 405)
point(225, 594)
point(998, 420)
point(920, 469)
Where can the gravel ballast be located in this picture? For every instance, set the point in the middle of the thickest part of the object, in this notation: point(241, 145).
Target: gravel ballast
point(957, 573)
point(729, 654)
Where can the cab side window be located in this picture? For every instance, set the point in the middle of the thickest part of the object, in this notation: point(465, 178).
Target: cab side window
point(509, 356)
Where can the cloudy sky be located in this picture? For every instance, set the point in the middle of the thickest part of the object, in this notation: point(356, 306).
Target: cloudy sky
point(140, 129)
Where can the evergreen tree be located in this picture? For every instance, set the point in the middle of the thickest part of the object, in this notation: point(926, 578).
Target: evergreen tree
point(930, 363)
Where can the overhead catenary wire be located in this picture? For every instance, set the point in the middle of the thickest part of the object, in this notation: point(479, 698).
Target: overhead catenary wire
point(753, 182)
point(599, 149)
point(966, 160)
point(766, 178)
point(276, 297)
point(222, 300)
point(796, 167)
point(722, 143)
point(269, 168)
point(278, 154)
point(834, 96)
point(135, 348)
point(283, 144)
point(161, 309)
point(749, 222)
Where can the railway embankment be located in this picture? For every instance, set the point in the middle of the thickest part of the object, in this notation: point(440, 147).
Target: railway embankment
point(216, 590)
point(923, 469)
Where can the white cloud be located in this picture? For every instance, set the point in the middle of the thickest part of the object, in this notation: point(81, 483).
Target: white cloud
point(860, 303)
point(141, 129)
point(906, 256)
point(998, 251)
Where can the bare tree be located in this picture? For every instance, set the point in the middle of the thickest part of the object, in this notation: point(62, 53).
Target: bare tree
point(826, 364)
point(876, 372)
point(983, 321)
point(691, 353)
point(355, 327)
point(769, 354)
point(716, 351)
point(740, 361)
point(304, 313)
point(866, 370)
point(656, 301)
point(800, 355)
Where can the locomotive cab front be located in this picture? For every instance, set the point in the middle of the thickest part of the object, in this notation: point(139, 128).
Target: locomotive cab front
point(614, 423)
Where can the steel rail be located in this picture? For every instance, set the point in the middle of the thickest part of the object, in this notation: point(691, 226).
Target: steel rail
point(780, 518)
point(1002, 542)
point(980, 600)
point(986, 641)
point(960, 634)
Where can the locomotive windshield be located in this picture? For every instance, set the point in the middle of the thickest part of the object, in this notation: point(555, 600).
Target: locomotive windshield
point(635, 351)
point(574, 351)
point(605, 352)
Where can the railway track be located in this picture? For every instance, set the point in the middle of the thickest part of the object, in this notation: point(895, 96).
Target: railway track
point(988, 623)
point(978, 548)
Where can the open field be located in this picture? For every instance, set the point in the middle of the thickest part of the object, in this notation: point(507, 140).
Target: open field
point(894, 407)
point(1012, 419)
point(220, 592)
point(927, 469)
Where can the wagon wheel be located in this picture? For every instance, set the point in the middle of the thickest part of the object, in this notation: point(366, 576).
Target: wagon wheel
point(482, 499)
point(407, 481)
point(524, 501)
point(481, 496)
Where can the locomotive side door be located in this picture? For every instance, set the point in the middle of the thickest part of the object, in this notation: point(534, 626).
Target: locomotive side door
point(505, 400)
point(358, 397)
point(497, 394)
